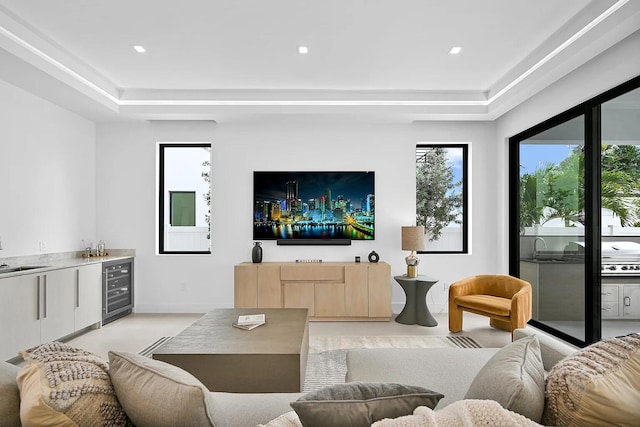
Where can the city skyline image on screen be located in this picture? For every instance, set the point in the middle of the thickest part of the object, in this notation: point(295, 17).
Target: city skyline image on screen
point(314, 205)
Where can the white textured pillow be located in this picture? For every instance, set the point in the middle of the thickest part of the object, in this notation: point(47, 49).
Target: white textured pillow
point(514, 377)
point(288, 419)
point(463, 413)
point(157, 394)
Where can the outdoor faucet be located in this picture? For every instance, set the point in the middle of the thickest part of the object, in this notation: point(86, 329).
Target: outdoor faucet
point(535, 242)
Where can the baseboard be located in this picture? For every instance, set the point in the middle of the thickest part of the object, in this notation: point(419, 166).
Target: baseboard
point(396, 307)
point(434, 308)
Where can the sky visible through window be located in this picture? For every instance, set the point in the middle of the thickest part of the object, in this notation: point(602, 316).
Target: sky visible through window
point(536, 156)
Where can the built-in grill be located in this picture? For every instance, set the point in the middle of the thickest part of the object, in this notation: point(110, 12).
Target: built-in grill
point(620, 259)
point(620, 280)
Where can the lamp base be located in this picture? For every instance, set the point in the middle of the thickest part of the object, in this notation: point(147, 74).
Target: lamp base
point(412, 271)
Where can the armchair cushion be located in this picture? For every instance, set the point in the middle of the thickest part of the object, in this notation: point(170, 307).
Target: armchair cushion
point(495, 305)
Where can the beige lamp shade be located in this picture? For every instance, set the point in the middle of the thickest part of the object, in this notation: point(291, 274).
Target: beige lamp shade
point(413, 238)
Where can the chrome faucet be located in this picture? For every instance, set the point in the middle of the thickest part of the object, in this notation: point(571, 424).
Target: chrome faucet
point(535, 242)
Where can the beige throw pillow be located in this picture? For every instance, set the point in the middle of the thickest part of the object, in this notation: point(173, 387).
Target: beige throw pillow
point(65, 386)
point(9, 395)
point(598, 385)
point(514, 377)
point(157, 394)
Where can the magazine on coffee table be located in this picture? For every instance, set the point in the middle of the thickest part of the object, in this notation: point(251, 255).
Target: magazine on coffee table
point(249, 322)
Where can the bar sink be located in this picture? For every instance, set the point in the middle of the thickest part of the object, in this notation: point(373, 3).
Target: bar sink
point(4, 270)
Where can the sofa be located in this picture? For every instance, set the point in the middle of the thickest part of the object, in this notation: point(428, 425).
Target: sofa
point(151, 392)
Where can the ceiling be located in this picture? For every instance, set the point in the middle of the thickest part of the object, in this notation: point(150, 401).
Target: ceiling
point(220, 60)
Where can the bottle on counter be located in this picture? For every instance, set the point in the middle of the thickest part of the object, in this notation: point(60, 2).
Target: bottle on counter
point(101, 249)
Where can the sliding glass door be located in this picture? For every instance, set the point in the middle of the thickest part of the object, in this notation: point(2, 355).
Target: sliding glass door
point(575, 217)
point(620, 159)
point(552, 224)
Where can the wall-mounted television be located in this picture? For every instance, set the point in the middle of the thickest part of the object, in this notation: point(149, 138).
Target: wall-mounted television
point(314, 207)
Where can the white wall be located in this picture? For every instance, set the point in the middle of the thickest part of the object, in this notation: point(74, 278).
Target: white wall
point(49, 183)
point(606, 71)
point(47, 176)
point(127, 202)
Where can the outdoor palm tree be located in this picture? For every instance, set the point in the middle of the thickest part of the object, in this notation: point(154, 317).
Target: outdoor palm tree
point(557, 191)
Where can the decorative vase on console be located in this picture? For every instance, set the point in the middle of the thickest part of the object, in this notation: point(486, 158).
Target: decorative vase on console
point(256, 252)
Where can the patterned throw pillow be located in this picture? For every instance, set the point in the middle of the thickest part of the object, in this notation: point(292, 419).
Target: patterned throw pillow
point(598, 385)
point(65, 386)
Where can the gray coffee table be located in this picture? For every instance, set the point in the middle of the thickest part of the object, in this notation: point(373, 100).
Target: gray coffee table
point(415, 309)
point(271, 358)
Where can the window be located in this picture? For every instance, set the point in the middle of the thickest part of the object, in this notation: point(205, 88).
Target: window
point(184, 198)
point(441, 196)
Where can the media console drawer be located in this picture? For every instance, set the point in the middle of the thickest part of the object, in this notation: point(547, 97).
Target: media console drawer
point(330, 290)
point(313, 272)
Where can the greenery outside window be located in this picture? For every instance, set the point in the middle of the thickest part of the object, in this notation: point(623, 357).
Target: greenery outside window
point(441, 196)
point(184, 205)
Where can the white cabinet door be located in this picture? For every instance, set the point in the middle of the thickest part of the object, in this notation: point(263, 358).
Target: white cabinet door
point(88, 295)
point(19, 323)
point(610, 301)
point(631, 301)
point(57, 301)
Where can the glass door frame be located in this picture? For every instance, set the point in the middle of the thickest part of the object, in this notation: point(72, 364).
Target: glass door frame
point(591, 110)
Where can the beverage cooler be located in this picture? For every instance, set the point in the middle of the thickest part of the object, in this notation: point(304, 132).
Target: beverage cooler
point(117, 289)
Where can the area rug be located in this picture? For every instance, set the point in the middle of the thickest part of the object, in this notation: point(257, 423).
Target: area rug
point(327, 366)
point(326, 363)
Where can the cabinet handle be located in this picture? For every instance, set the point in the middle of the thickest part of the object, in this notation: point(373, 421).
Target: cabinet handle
point(606, 293)
point(607, 309)
point(627, 301)
point(44, 279)
point(77, 288)
point(38, 297)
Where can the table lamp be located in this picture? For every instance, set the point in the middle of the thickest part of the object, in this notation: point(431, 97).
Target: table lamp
point(412, 240)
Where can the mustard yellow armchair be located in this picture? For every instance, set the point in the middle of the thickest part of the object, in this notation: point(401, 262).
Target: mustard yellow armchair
point(506, 300)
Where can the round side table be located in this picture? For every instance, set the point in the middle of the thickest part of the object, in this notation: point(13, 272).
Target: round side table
point(415, 309)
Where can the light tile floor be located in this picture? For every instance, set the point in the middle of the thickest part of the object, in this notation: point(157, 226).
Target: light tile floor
point(137, 331)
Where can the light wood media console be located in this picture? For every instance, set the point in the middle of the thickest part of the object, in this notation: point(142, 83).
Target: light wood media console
point(329, 290)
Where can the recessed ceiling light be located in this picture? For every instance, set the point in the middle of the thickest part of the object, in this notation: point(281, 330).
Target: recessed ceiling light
point(138, 48)
point(455, 50)
point(303, 50)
